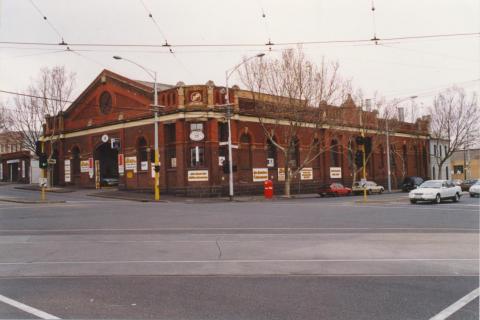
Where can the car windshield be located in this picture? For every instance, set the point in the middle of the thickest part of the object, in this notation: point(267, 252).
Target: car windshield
point(431, 184)
point(477, 183)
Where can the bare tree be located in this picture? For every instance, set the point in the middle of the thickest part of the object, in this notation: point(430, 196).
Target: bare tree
point(41, 104)
point(291, 96)
point(455, 118)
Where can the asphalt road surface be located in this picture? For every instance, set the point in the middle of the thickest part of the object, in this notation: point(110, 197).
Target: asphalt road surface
point(315, 258)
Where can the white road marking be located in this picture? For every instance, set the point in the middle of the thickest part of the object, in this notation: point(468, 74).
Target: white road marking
point(39, 313)
point(233, 261)
point(234, 229)
point(447, 312)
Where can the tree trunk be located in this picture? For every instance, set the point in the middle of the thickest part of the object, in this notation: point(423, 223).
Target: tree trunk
point(288, 181)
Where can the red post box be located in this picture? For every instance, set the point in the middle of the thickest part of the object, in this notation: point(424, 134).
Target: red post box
point(268, 189)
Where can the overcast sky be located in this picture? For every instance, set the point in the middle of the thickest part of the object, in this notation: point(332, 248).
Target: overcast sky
point(395, 69)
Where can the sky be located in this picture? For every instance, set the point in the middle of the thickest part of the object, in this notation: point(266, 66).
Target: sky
point(394, 69)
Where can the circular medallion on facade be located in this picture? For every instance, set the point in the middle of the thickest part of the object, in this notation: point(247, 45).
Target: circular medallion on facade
point(104, 138)
point(197, 135)
point(105, 102)
point(196, 96)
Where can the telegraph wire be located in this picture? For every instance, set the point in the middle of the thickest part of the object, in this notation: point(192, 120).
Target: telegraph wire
point(265, 23)
point(48, 21)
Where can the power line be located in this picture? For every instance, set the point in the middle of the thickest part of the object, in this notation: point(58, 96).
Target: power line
point(150, 15)
point(199, 45)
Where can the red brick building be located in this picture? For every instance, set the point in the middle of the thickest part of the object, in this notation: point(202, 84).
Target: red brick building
point(118, 108)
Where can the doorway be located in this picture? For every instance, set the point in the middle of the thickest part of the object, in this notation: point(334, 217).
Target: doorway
point(108, 159)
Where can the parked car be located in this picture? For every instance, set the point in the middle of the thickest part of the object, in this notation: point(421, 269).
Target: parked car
point(370, 186)
point(467, 184)
point(457, 182)
point(109, 182)
point(435, 191)
point(334, 189)
point(410, 183)
point(475, 189)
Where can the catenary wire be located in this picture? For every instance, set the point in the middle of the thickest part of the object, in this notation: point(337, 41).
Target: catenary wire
point(192, 45)
point(48, 21)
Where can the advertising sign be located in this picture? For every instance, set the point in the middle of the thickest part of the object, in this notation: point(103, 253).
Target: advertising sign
point(90, 167)
point(306, 174)
point(335, 172)
point(281, 174)
point(121, 164)
point(131, 163)
point(68, 177)
point(197, 175)
point(84, 166)
point(260, 174)
point(144, 165)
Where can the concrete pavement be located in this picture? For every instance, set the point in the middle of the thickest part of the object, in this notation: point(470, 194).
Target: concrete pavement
point(308, 258)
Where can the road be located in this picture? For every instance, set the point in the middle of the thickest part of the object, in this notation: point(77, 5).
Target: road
point(332, 258)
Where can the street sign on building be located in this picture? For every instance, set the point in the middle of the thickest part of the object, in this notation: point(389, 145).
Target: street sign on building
point(335, 172)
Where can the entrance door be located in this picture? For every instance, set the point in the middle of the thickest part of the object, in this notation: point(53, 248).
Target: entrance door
point(13, 172)
point(108, 159)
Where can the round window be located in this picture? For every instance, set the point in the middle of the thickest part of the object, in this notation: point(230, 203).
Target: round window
point(105, 102)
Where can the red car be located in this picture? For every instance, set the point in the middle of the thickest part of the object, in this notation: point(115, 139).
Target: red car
point(334, 189)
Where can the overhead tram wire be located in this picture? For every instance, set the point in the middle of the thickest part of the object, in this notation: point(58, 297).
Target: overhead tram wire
point(49, 23)
point(265, 23)
point(166, 44)
point(219, 45)
point(374, 24)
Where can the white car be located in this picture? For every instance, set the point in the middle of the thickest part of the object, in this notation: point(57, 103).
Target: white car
point(475, 189)
point(436, 191)
point(370, 186)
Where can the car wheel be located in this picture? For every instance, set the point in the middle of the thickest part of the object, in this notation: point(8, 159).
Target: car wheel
point(456, 198)
point(381, 191)
point(437, 199)
point(413, 201)
point(369, 192)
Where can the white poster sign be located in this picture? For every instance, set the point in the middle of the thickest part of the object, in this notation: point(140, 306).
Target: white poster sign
point(306, 174)
point(144, 165)
point(131, 163)
point(260, 174)
point(68, 177)
point(197, 175)
point(121, 164)
point(270, 162)
point(335, 172)
point(221, 159)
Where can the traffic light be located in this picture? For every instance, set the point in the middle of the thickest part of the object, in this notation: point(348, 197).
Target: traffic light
point(359, 159)
point(359, 140)
point(43, 161)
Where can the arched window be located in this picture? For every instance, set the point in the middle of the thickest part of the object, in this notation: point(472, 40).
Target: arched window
point(294, 151)
point(245, 152)
point(75, 160)
point(334, 154)
point(271, 154)
point(142, 154)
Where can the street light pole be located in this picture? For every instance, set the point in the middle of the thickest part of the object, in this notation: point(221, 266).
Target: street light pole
point(228, 73)
point(155, 106)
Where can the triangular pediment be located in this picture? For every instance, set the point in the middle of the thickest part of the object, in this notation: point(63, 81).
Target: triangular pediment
point(108, 98)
